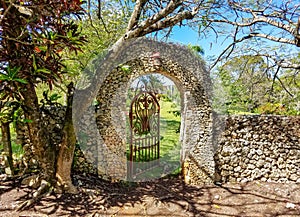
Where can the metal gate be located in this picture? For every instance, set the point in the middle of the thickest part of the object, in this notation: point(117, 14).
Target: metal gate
point(144, 116)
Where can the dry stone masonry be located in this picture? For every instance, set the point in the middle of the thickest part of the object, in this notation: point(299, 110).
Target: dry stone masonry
point(108, 151)
point(259, 147)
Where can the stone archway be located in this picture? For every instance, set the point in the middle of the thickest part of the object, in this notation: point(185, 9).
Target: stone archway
point(188, 73)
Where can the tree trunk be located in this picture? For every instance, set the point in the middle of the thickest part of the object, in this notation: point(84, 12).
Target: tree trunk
point(43, 151)
point(67, 147)
point(6, 140)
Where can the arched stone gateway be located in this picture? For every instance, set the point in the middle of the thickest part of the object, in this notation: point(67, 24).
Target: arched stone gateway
point(106, 147)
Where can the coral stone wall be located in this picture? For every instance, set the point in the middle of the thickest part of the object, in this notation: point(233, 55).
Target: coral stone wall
point(104, 132)
point(108, 123)
point(259, 147)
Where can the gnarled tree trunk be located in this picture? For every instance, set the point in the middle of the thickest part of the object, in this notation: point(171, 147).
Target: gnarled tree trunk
point(43, 151)
point(67, 147)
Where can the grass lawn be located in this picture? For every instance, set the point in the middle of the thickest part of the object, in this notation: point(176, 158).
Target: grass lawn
point(169, 125)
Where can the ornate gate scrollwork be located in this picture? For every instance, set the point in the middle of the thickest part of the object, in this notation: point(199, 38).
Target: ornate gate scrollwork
point(144, 116)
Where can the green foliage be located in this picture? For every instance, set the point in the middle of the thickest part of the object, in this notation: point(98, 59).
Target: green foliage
point(37, 54)
point(31, 54)
point(17, 150)
point(126, 69)
point(101, 34)
point(196, 49)
point(11, 76)
point(271, 108)
point(50, 99)
point(246, 85)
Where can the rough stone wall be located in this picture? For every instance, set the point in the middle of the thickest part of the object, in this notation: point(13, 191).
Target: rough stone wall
point(110, 118)
point(259, 147)
point(106, 148)
point(52, 118)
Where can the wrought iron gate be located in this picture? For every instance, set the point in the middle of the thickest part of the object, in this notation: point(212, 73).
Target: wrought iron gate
point(144, 116)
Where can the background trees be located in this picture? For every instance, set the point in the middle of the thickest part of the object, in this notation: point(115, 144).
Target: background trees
point(245, 85)
point(263, 30)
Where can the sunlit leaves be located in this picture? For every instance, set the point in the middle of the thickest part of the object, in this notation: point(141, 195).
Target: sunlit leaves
point(11, 75)
point(32, 44)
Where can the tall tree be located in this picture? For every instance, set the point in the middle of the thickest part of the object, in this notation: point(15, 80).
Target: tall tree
point(244, 83)
point(33, 36)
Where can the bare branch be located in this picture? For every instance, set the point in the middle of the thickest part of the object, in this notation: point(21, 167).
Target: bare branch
point(284, 87)
point(90, 18)
point(11, 3)
point(101, 18)
point(18, 41)
point(135, 16)
point(272, 38)
point(172, 5)
point(274, 77)
point(168, 22)
point(281, 62)
point(228, 47)
point(255, 20)
point(297, 33)
point(282, 18)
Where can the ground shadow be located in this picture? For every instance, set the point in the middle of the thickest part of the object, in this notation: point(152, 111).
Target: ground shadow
point(168, 196)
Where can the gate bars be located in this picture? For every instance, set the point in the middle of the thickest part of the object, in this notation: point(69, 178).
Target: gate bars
point(144, 116)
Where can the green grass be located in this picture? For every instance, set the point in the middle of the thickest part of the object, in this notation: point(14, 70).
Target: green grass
point(169, 125)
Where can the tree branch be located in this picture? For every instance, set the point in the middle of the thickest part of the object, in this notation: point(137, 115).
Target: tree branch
point(101, 18)
point(161, 14)
point(168, 22)
point(297, 33)
point(11, 3)
point(135, 16)
point(228, 47)
point(284, 87)
point(273, 38)
point(255, 20)
point(279, 18)
point(91, 20)
point(281, 63)
point(18, 41)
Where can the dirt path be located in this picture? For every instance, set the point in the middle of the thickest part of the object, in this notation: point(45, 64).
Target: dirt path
point(164, 197)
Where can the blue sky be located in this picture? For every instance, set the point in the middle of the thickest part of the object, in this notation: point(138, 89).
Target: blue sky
point(186, 35)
